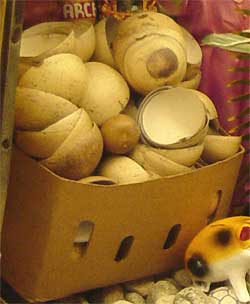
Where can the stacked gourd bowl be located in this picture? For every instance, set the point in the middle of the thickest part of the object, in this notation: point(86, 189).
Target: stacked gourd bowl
point(76, 111)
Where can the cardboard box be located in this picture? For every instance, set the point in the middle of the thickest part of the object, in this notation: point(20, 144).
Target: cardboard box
point(39, 257)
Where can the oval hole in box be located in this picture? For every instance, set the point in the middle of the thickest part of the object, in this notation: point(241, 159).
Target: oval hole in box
point(103, 182)
point(124, 248)
point(172, 236)
point(215, 208)
point(83, 235)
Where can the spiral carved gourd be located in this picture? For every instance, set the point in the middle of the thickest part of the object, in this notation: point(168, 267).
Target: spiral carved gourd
point(49, 124)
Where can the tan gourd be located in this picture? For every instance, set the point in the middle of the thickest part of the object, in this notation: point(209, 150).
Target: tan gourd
point(208, 103)
point(36, 110)
point(123, 170)
point(131, 109)
point(162, 62)
point(120, 134)
point(152, 161)
point(158, 42)
point(50, 38)
point(193, 49)
point(22, 68)
point(80, 153)
point(51, 128)
point(102, 50)
point(85, 40)
point(191, 79)
point(172, 118)
point(140, 25)
point(107, 93)
point(64, 75)
point(185, 156)
point(220, 147)
point(194, 58)
point(42, 144)
point(46, 39)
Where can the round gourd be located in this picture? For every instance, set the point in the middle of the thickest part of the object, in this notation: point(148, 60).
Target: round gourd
point(50, 38)
point(46, 39)
point(42, 144)
point(219, 147)
point(64, 75)
point(208, 103)
point(70, 144)
point(191, 79)
point(79, 154)
point(193, 49)
point(107, 94)
point(102, 50)
point(172, 118)
point(149, 50)
point(85, 41)
point(140, 25)
point(131, 109)
point(185, 156)
point(122, 170)
point(156, 163)
point(120, 134)
point(162, 61)
point(36, 110)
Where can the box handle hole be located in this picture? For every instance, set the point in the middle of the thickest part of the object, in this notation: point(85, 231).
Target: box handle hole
point(214, 207)
point(83, 235)
point(6, 144)
point(124, 248)
point(172, 236)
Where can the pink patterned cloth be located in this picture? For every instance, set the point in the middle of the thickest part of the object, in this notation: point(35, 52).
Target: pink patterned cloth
point(221, 69)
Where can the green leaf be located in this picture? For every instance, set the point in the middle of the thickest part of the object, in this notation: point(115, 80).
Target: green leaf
point(177, 2)
point(245, 170)
point(239, 69)
point(244, 11)
point(243, 56)
point(243, 180)
point(243, 113)
point(247, 193)
point(247, 151)
point(245, 33)
point(239, 81)
point(228, 41)
point(246, 137)
point(240, 98)
point(244, 125)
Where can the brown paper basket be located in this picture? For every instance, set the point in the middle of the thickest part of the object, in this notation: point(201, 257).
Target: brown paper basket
point(137, 229)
